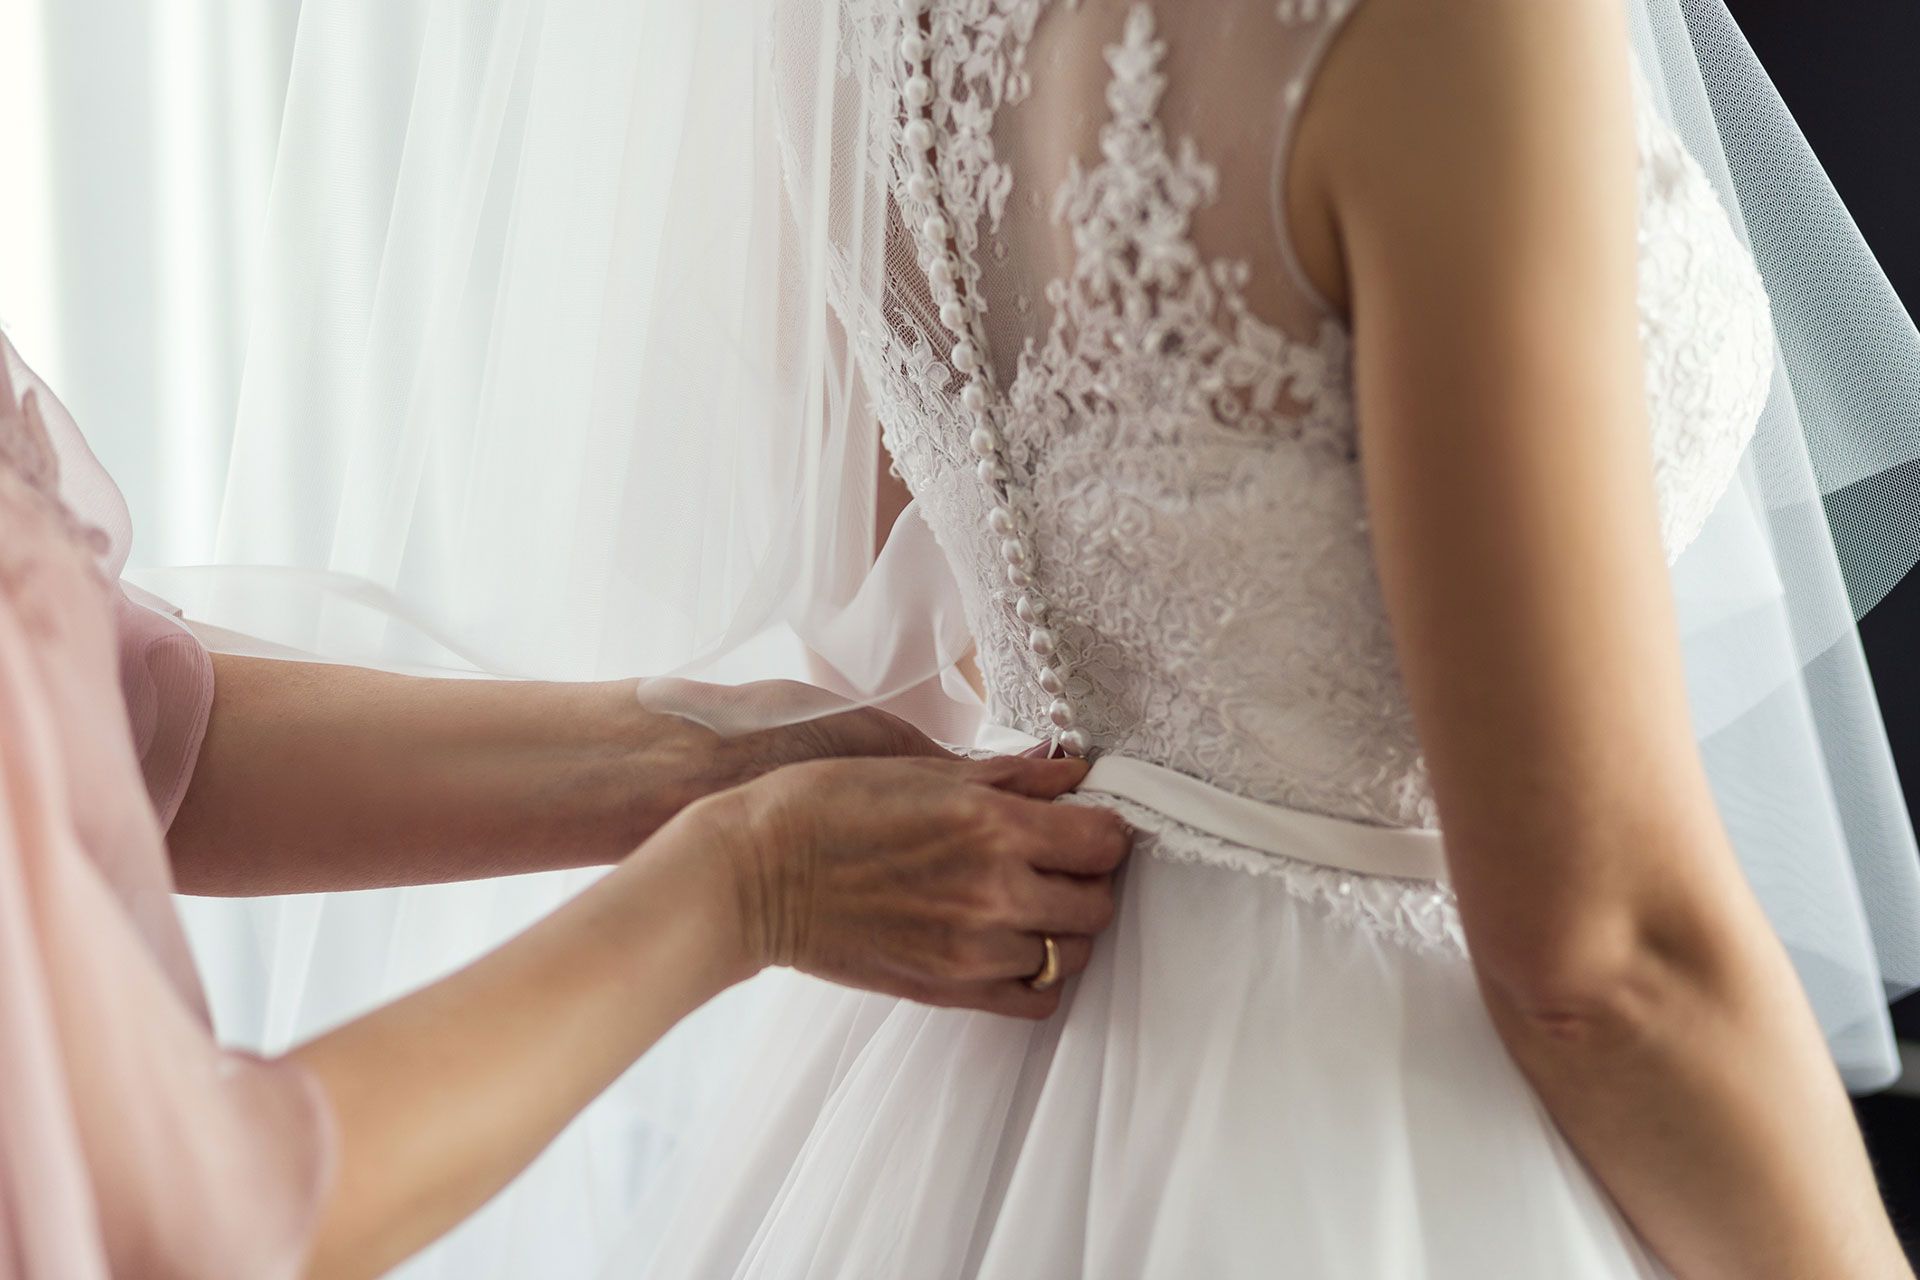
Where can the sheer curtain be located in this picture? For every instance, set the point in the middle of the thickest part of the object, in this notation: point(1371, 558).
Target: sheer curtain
point(140, 147)
point(172, 273)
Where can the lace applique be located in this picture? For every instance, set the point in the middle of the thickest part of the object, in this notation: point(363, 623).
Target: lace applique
point(1706, 328)
point(977, 55)
point(1184, 467)
point(1145, 323)
point(1155, 433)
point(1415, 914)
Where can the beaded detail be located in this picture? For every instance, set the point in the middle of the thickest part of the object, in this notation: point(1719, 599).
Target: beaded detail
point(1134, 436)
point(954, 294)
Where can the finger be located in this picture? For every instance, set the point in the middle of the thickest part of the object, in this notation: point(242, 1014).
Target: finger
point(1076, 953)
point(1009, 998)
point(1059, 904)
point(1024, 955)
point(1033, 778)
point(1077, 840)
point(1000, 955)
point(1015, 997)
point(1018, 1000)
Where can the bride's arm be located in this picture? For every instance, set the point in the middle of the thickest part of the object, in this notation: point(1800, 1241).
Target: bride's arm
point(1473, 166)
point(316, 777)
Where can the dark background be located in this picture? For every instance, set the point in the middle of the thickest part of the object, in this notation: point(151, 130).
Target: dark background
point(1851, 75)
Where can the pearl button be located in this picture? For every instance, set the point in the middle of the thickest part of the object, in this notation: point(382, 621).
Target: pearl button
point(1000, 520)
point(1019, 578)
point(965, 358)
point(984, 442)
point(975, 396)
point(990, 471)
point(1053, 680)
point(954, 316)
point(913, 47)
point(1013, 551)
point(913, 8)
point(920, 187)
point(1030, 610)
point(1076, 742)
point(937, 228)
point(940, 271)
point(919, 91)
point(1061, 713)
point(919, 135)
point(1041, 641)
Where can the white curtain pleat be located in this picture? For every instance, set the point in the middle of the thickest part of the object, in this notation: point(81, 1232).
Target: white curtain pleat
point(435, 436)
point(140, 148)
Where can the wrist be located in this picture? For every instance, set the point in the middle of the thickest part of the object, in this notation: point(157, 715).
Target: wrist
point(666, 763)
point(725, 844)
point(758, 846)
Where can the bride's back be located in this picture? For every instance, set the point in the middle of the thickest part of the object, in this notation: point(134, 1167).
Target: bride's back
point(1159, 128)
point(1126, 408)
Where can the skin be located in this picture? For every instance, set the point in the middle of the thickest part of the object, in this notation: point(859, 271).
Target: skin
point(1464, 186)
point(334, 777)
point(920, 876)
point(922, 879)
point(1486, 249)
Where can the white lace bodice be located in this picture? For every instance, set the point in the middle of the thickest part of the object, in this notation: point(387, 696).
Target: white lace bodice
point(1128, 414)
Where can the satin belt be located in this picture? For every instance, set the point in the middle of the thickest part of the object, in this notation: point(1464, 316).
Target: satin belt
point(1407, 853)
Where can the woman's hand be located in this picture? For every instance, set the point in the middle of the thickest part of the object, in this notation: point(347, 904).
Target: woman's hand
point(928, 879)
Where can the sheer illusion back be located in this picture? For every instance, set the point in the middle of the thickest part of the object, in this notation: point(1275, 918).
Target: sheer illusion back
point(1127, 411)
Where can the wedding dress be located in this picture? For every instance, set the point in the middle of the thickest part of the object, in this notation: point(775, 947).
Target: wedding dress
point(1127, 416)
point(576, 321)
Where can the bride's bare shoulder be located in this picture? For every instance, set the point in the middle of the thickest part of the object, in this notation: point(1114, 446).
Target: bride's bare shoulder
point(1444, 102)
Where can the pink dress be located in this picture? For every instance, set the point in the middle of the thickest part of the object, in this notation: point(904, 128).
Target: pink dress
point(130, 1143)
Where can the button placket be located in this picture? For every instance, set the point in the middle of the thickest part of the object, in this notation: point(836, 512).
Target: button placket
point(967, 356)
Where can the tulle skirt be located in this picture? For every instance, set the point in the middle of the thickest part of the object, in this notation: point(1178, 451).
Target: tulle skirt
point(1251, 1079)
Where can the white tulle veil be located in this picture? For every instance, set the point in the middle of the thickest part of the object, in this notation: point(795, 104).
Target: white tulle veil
point(544, 383)
point(1823, 522)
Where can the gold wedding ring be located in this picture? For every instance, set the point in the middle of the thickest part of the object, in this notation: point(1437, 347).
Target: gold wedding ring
point(1049, 974)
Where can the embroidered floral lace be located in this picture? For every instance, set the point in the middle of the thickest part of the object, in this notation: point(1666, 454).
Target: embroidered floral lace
point(1173, 400)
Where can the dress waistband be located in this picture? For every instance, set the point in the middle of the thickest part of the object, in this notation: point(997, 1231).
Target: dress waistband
point(1407, 853)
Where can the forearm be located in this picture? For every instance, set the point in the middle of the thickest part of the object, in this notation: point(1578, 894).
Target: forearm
point(442, 1098)
point(320, 777)
point(872, 874)
point(1704, 1099)
point(1494, 262)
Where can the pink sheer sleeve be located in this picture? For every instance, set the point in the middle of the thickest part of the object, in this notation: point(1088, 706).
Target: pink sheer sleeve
point(165, 674)
point(130, 1143)
point(166, 679)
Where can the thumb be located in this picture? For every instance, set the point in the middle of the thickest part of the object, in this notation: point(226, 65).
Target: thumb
point(1031, 777)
